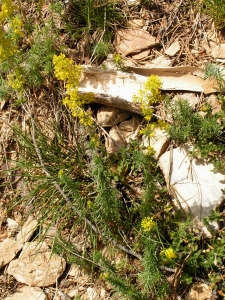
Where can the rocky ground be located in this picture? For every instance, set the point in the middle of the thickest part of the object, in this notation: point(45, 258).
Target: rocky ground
point(167, 37)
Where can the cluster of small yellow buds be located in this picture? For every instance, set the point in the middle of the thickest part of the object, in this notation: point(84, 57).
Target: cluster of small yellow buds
point(16, 81)
point(104, 276)
point(148, 224)
point(169, 253)
point(149, 129)
point(11, 31)
point(7, 9)
point(65, 69)
point(16, 26)
point(149, 95)
point(95, 140)
point(89, 204)
point(60, 173)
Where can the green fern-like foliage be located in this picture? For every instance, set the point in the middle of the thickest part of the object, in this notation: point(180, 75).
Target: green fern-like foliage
point(152, 278)
point(206, 133)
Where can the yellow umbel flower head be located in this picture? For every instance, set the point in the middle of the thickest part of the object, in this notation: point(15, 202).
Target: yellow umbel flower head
point(168, 253)
point(148, 224)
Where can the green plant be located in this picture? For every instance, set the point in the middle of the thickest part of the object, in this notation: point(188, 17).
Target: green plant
point(102, 49)
point(205, 133)
point(118, 61)
point(151, 277)
point(215, 8)
point(117, 202)
point(93, 21)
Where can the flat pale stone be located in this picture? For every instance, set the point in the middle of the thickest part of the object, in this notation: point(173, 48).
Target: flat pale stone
point(159, 142)
point(36, 266)
point(218, 51)
point(130, 125)
point(119, 137)
point(160, 61)
point(8, 250)
point(196, 189)
point(215, 103)
point(92, 294)
point(173, 49)
point(199, 291)
point(192, 99)
point(13, 227)
point(27, 230)
point(108, 116)
point(73, 293)
point(28, 293)
point(141, 55)
point(138, 23)
point(131, 41)
point(133, 2)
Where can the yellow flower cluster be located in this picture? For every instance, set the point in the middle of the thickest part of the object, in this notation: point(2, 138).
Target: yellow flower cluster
point(148, 224)
point(95, 140)
point(66, 70)
point(149, 95)
point(7, 9)
point(149, 129)
point(89, 204)
point(117, 58)
point(104, 276)
point(11, 32)
point(7, 47)
point(16, 26)
point(16, 81)
point(60, 173)
point(168, 253)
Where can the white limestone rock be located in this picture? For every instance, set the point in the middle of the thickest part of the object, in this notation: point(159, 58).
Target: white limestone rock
point(27, 230)
point(121, 135)
point(199, 291)
point(8, 250)
point(218, 51)
point(108, 116)
point(117, 140)
point(28, 293)
point(12, 228)
point(196, 189)
point(173, 49)
point(160, 61)
point(37, 266)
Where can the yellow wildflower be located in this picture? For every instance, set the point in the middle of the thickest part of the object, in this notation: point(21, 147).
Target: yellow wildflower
point(60, 173)
point(16, 25)
point(148, 224)
point(117, 57)
point(89, 204)
point(16, 81)
point(168, 253)
point(104, 276)
point(7, 9)
point(66, 70)
point(95, 140)
point(149, 95)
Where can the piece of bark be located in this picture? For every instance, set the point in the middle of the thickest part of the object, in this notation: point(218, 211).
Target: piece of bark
point(117, 89)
